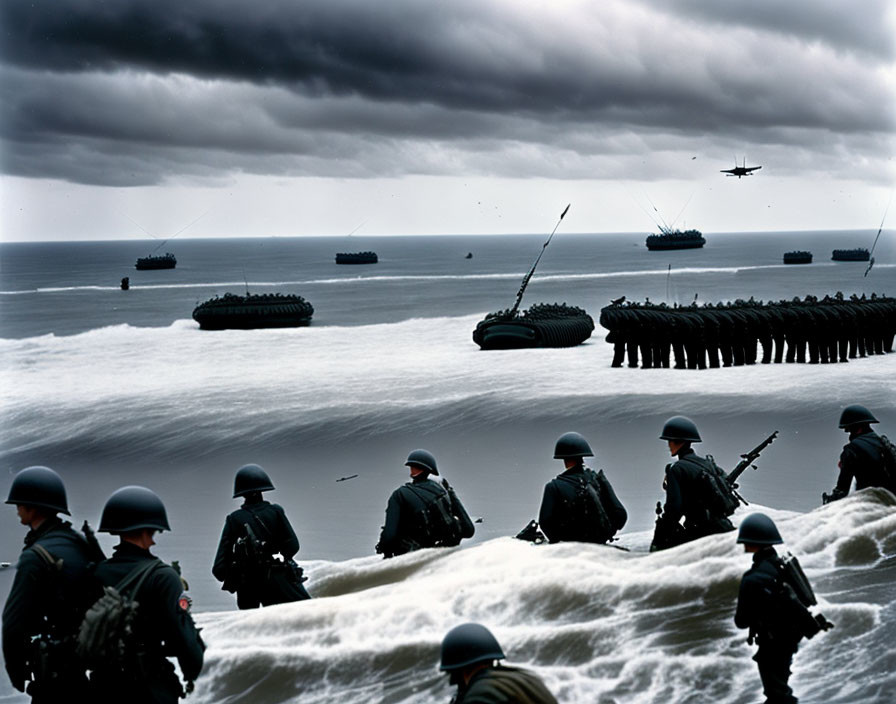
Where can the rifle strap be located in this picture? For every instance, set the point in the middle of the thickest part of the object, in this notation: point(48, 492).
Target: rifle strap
point(47, 557)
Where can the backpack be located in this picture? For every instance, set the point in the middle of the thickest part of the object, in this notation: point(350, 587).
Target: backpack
point(106, 639)
point(587, 515)
point(887, 459)
point(249, 553)
point(437, 526)
point(717, 495)
point(790, 599)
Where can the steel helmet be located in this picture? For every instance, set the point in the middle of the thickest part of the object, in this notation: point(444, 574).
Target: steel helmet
point(38, 486)
point(133, 508)
point(572, 445)
point(250, 478)
point(856, 415)
point(469, 643)
point(758, 529)
point(680, 428)
point(422, 459)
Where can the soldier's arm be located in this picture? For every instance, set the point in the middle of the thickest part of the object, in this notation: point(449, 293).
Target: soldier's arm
point(743, 616)
point(389, 534)
point(844, 479)
point(618, 514)
point(547, 514)
point(673, 509)
point(19, 615)
point(180, 633)
point(287, 538)
point(221, 566)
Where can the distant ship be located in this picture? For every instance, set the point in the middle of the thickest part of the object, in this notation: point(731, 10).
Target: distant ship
point(356, 258)
point(798, 257)
point(676, 239)
point(274, 310)
point(860, 254)
point(542, 325)
point(166, 261)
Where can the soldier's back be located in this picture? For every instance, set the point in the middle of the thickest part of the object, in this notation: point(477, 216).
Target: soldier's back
point(506, 685)
point(163, 627)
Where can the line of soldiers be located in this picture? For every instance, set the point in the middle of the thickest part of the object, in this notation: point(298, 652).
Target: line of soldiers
point(53, 622)
point(827, 330)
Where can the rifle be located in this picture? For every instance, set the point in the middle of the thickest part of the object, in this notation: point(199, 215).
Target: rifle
point(531, 533)
point(96, 552)
point(747, 460)
point(665, 534)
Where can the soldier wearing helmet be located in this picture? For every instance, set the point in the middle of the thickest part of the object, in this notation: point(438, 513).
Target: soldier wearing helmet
point(469, 655)
point(864, 457)
point(251, 537)
point(579, 504)
point(773, 603)
point(423, 513)
point(163, 626)
point(50, 592)
point(686, 490)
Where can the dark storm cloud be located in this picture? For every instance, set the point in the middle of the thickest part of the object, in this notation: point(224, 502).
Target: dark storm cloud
point(864, 27)
point(383, 88)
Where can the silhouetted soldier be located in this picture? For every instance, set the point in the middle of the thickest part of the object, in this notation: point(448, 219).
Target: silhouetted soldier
point(863, 457)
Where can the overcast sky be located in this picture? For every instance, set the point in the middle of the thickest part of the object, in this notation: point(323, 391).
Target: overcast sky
point(320, 117)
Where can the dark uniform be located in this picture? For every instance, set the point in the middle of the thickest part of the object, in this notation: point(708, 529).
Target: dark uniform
point(862, 460)
point(403, 530)
point(504, 685)
point(862, 457)
point(777, 645)
point(563, 517)
point(685, 492)
point(48, 601)
point(163, 628)
point(273, 583)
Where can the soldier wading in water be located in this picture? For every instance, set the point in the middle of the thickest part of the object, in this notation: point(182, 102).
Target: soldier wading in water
point(579, 504)
point(252, 535)
point(696, 489)
point(469, 655)
point(773, 603)
point(868, 458)
point(423, 513)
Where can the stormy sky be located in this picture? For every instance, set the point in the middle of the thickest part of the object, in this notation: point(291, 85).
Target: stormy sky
point(279, 117)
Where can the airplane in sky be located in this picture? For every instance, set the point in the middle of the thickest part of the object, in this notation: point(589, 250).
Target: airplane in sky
point(740, 170)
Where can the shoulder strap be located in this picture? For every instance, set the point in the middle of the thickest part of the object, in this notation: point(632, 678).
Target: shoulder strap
point(46, 556)
point(138, 574)
point(421, 491)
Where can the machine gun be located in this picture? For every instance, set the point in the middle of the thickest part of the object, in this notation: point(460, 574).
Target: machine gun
point(747, 460)
point(668, 534)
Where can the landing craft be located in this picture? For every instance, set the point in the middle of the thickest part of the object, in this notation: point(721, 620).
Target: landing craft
point(740, 170)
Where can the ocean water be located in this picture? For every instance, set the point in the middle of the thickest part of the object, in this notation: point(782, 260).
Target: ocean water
point(113, 387)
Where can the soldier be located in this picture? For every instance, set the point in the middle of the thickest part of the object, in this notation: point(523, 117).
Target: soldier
point(252, 535)
point(579, 504)
point(469, 652)
point(689, 494)
point(423, 513)
point(772, 603)
point(864, 457)
point(50, 592)
point(162, 625)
